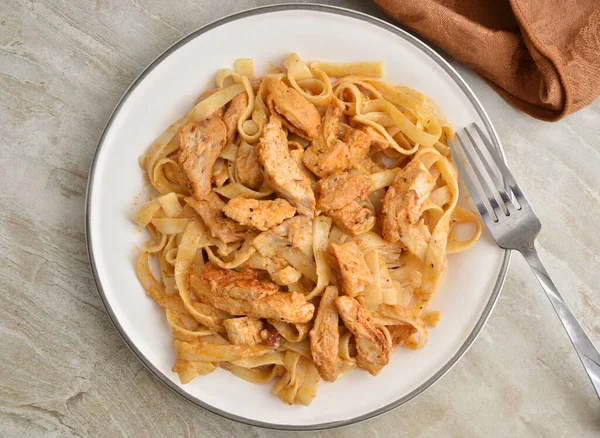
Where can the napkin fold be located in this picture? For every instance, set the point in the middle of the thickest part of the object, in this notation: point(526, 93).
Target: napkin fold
point(542, 56)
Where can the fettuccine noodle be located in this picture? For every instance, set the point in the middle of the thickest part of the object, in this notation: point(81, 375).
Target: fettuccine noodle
point(303, 263)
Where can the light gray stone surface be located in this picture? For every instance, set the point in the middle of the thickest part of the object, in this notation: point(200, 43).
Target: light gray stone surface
point(64, 370)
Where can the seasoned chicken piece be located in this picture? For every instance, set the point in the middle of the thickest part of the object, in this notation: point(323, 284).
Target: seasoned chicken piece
point(247, 166)
point(281, 171)
point(296, 231)
point(323, 159)
point(404, 201)
point(231, 117)
point(300, 116)
point(340, 189)
point(300, 235)
point(271, 245)
point(351, 264)
point(332, 121)
point(353, 219)
point(200, 145)
point(245, 293)
point(289, 307)
point(236, 286)
point(336, 198)
point(239, 285)
point(373, 351)
point(338, 146)
point(220, 226)
point(327, 153)
point(243, 331)
point(325, 336)
point(220, 174)
point(358, 144)
point(259, 214)
point(297, 155)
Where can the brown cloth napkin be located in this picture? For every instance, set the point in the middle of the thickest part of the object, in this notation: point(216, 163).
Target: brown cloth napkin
point(542, 56)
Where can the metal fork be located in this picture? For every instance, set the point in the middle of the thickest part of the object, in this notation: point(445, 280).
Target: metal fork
point(514, 225)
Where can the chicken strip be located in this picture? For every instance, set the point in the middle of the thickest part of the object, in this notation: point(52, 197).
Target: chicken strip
point(327, 153)
point(338, 146)
point(243, 331)
point(358, 144)
point(323, 159)
point(351, 264)
point(220, 175)
point(336, 198)
point(325, 336)
point(200, 145)
point(238, 285)
point(272, 246)
point(220, 226)
point(353, 219)
point(373, 350)
point(404, 200)
point(259, 214)
point(247, 166)
point(336, 191)
point(300, 116)
point(245, 293)
point(297, 155)
point(231, 117)
point(300, 235)
point(296, 231)
point(289, 307)
point(281, 171)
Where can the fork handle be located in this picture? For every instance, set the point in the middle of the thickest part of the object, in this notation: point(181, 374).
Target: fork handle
point(587, 352)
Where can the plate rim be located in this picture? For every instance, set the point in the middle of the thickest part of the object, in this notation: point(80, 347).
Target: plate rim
point(399, 32)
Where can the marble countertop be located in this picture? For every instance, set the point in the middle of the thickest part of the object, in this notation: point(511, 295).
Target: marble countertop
point(64, 370)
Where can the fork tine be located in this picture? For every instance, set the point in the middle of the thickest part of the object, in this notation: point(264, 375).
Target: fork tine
point(482, 181)
point(483, 211)
point(510, 207)
point(506, 173)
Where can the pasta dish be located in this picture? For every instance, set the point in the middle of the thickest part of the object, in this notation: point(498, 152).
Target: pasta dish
point(300, 224)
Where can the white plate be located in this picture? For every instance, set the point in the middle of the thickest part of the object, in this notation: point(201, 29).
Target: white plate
point(165, 91)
